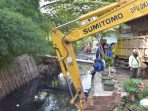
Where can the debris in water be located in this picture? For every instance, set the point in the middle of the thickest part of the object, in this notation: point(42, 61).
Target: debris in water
point(17, 105)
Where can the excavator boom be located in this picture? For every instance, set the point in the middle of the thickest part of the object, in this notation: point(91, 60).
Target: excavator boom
point(118, 13)
point(126, 12)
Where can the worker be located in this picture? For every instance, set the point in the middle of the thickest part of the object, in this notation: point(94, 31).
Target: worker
point(134, 64)
point(87, 49)
point(109, 53)
point(97, 51)
point(99, 65)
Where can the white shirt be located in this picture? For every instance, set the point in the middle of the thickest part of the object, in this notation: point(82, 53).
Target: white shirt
point(133, 63)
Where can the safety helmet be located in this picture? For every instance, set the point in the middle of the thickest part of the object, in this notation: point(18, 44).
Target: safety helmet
point(135, 51)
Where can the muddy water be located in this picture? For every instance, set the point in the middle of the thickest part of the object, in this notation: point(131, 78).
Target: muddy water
point(38, 96)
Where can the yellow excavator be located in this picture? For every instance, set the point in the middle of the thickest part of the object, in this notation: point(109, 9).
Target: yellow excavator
point(116, 13)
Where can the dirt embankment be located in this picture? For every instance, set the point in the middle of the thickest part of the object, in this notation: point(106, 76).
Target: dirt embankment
point(49, 67)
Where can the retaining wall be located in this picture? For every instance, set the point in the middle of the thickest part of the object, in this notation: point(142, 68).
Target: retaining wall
point(17, 75)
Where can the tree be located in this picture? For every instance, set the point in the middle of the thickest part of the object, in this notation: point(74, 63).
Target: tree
point(62, 11)
point(23, 28)
point(28, 8)
point(19, 35)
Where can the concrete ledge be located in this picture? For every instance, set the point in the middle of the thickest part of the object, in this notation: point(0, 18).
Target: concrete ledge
point(98, 88)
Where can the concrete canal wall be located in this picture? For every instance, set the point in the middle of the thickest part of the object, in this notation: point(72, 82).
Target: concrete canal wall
point(17, 75)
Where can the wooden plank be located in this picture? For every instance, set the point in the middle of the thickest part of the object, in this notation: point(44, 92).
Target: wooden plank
point(34, 66)
point(8, 86)
point(85, 61)
point(23, 69)
point(5, 83)
point(12, 75)
point(15, 76)
point(9, 79)
point(18, 80)
point(28, 77)
point(30, 68)
point(3, 91)
point(20, 71)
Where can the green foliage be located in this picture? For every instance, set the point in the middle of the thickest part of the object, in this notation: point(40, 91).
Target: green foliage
point(144, 93)
point(109, 0)
point(75, 9)
point(104, 74)
point(26, 7)
point(132, 106)
point(19, 35)
point(24, 29)
point(131, 86)
point(29, 8)
point(108, 60)
point(137, 107)
point(108, 82)
point(106, 78)
point(64, 11)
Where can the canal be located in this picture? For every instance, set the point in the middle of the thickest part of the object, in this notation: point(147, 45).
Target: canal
point(43, 94)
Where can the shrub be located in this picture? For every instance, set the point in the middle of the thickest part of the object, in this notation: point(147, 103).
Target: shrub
point(131, 86)
point(106, 78)
point(19, 35)
point(108, 82)
point(108, 60)
point(144, 93)
point(104, 74)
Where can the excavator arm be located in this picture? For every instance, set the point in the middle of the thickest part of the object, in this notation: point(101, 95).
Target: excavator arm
point(127, 11)
point(118, 13)
point(68, 64)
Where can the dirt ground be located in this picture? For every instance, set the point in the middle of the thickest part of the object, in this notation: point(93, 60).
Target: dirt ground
point(122, 74)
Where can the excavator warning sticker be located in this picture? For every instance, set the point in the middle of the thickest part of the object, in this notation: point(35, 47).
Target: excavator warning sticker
point(69, 61)
point(139, 7)
point(103, 23)
point(114, 18)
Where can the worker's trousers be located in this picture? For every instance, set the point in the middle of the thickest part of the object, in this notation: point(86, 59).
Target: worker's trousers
point(134, 73)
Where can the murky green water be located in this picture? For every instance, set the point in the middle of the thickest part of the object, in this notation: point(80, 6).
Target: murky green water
point(37, 96)
point(57, 102)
